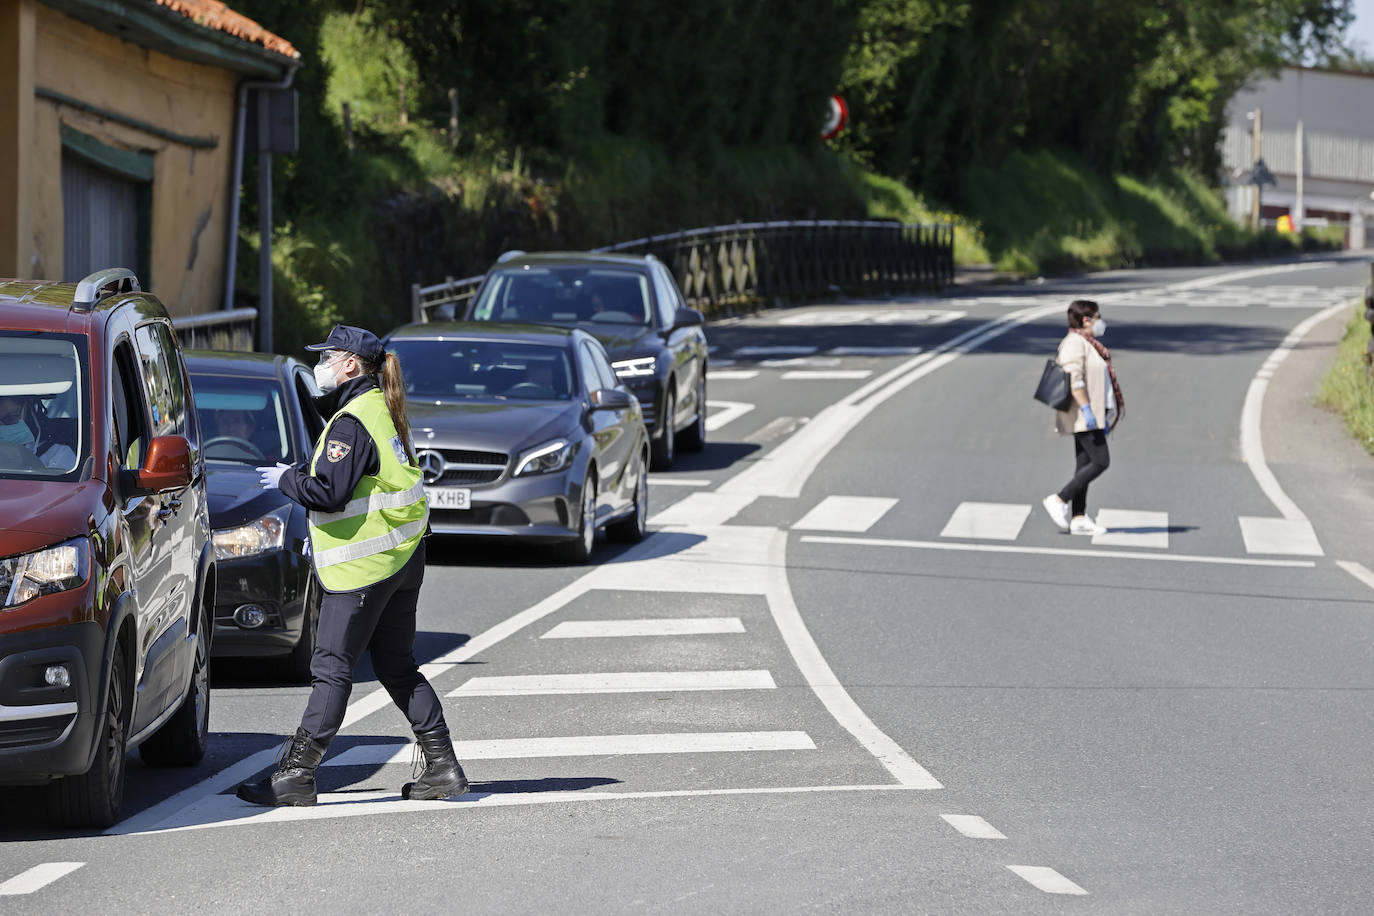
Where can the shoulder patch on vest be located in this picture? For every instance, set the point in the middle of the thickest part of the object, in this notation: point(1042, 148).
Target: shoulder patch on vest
point(400, 450)
point(336, 451)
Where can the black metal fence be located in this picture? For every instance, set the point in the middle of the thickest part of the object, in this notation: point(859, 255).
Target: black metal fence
point(725, 269)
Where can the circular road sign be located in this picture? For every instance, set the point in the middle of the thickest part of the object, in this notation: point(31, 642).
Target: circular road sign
point(837, 118)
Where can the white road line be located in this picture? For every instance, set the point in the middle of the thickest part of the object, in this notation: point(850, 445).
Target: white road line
point(817, 362)
point(1358, 571)
point(731, 375)
point(987, 521)
point(973, 826)
point(1286, 536)
point(1046, 879)
point(703, 509)
point(37, 878)
point(774, 351)
point(825, 374)
point(1133, 528)
point(1222, 279)
point(677, 482)
point(1058, 552)
point(228, 811)
point(1251, 414)
point(775, 429)
point(587, 746)
point(846, 513)
point(725, 412)
point(647, 626)
point(822, 680)
point(873, 351)
point(613, 682)
point(720, 561)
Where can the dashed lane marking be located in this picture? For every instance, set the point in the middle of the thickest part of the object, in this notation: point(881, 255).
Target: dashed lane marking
point(826, 374)
point(1133, 528)
point(1357, 570)
point(677, 482)
point(1046, 879)
point(613, 682)
point(775, 351)
point(775, 429)
point(731, 375)
point(724, 412)
point(1284, 536)
point(648, 626)
point(846, 513)
point(973, 826)
point(990, 521)
point(703, 509)
point(586, 746)
point(37, 878)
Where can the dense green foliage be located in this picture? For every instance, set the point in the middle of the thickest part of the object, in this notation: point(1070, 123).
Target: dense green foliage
point(1346, 388)
point(1068, 133)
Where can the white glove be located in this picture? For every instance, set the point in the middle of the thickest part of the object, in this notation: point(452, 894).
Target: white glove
point(271, 476)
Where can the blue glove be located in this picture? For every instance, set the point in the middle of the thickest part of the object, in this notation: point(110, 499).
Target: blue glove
point(271, 476)
point(1087, 412)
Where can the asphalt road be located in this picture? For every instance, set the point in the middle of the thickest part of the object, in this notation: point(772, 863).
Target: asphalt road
point(854, 667)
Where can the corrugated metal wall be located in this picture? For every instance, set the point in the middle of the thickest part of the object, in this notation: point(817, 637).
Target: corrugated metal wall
point(99, 220)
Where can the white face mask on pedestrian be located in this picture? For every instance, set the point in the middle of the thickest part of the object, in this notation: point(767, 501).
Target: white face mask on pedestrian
point(1099, 327)
point(325, 375)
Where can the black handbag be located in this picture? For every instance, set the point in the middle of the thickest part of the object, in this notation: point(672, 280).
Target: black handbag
point(1054, 386)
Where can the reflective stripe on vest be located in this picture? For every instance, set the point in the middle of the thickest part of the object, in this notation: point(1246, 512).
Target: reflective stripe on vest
point(376, 532)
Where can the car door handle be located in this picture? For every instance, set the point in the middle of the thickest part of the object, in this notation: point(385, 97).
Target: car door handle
point(173, 504)
point(164, 513)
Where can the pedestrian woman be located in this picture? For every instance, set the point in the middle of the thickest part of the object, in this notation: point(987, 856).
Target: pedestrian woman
point(368, 517)
point(1096, 409)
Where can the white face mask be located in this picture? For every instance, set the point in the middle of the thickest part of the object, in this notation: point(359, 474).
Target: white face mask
point(325, 377)
point(1099, 327)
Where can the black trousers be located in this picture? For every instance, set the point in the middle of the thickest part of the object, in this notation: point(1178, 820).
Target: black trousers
point(1090, 460)
point(381, 619)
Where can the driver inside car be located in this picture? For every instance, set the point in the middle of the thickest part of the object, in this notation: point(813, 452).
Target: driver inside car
point(16, 428)
point(237, 424)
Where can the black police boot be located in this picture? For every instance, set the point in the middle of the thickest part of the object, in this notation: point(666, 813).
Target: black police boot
point(293, 781)
point(442, 776)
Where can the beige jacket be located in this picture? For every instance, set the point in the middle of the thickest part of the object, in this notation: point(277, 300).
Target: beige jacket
point(1086, 368)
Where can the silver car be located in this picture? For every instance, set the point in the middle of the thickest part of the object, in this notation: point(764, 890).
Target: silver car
point(524, 431)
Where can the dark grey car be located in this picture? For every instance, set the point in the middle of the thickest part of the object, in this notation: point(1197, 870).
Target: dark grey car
point(524, 432)
point(633, 306)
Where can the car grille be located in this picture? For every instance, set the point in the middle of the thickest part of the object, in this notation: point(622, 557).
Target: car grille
point(467, 467)
point(646, 407)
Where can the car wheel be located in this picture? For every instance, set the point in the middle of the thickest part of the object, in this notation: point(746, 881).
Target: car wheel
point(580, 550)
point(633, 528)
point(94, 798)
point(298, 662)
point(694, 436)
point(182, 739)
point(665, 445)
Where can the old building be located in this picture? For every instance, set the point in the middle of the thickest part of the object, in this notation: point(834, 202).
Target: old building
point(121, 138)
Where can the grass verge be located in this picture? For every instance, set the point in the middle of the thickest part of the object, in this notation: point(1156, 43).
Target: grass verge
point(1347, 387)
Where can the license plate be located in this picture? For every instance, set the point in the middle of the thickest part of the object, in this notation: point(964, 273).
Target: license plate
point(448, 498)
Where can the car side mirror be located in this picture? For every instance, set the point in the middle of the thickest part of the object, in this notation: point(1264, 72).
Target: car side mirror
point(611, 399)
point(167, 467)
point(687, 318)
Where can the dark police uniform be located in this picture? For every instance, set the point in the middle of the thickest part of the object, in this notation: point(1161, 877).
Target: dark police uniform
point(380, 617)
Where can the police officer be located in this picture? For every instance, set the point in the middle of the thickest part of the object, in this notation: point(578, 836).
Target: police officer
point(368, 516)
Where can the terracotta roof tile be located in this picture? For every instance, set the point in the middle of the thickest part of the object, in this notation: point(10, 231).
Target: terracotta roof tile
point(213, 14)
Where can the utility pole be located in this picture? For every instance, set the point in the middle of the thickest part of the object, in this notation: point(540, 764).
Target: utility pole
point(1256, 135)
point(1298, 208)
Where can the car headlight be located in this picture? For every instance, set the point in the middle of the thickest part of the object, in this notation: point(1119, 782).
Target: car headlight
point(45, 572)
point(552, 456)
point(634, 368)
point(262, 535)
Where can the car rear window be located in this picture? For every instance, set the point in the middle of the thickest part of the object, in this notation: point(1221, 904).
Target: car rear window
point(448, 370)
point(44, 398)
point(242, 419)
point(565, 295)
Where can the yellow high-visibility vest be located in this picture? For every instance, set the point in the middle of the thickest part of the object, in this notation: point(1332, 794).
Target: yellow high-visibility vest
point(377, 531)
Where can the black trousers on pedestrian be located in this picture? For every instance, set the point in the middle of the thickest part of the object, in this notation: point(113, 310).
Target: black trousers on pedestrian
point(1090, 459)
point(381, 619)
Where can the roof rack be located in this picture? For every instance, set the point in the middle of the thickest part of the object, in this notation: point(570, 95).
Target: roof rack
point(104, 283)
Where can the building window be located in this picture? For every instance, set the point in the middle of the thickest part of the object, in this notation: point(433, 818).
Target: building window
point(106, 207)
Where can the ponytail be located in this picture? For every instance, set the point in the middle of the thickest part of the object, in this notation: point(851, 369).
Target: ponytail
point(392, 382)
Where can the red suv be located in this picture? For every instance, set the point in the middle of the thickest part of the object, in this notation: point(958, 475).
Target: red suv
point(107, 577)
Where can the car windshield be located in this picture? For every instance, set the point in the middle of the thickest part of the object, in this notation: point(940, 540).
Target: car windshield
point(43, 405)
point(447, 370)
point(565, 295)
point(242, 419)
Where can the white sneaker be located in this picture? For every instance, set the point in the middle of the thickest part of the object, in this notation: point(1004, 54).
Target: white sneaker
point(1058, 510)
point(1085, 525)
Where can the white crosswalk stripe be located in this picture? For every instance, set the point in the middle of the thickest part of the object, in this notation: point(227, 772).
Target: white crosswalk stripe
point(991, 521)
point(1282, 536)
point(846, 513)
point(652, 626)
point(613, 682)
point(37, 878)
point(587, 746)
point(1133, 528)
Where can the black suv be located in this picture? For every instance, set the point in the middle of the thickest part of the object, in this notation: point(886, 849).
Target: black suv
point(633, 306)
point(107, 577)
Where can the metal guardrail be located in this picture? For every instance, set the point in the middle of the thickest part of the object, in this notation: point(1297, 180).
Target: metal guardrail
point(228, 330)
point(724, 268)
